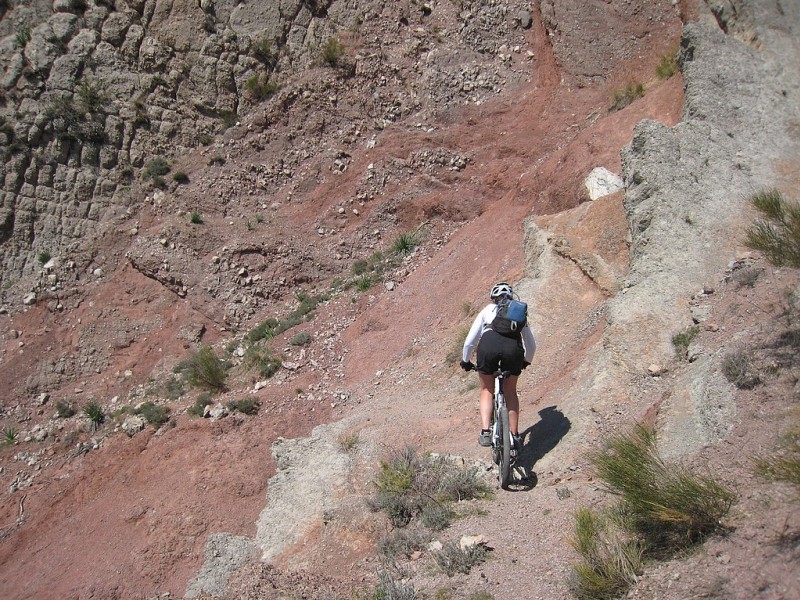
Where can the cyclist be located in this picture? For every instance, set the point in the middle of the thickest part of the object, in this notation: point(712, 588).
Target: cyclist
point(514, 353)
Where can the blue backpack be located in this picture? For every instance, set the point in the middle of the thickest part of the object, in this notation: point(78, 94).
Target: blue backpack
point(512, 316)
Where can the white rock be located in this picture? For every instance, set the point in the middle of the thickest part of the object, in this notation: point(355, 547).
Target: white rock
point(602, 182)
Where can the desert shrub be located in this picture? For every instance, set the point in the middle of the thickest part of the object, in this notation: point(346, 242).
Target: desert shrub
point(204, 369)
point(22, 37)
point(154, 414)
point(625, 96)
point(436, 516)
point(10, 436)
point(247, 406)
point(364, 283)
point(174, 387)
point(95, 414)
point(349, 442)
point(746, 277)
point(682, 340)
point(259, 87)
point(408, 482)
point(390, 588)
point(662, 509)
point(403, 542)
point(667, 67)
point(263, 361)
point(300, 339)
point(199, 407)
point(404, 244)
point(454, 355)
point(92, 96)
point(64, 115)
point(196, 218)
point(180, 177)
point(610, 560)
point(263, 52)
point(332, 52)
point(785, 465)
point(157, 167)
point(737, 367)
point(359, 267)
point(777, 233)
point(667, 506)
point(64, 410)
point(44, 257)
point(452, 559)
point(264, 330)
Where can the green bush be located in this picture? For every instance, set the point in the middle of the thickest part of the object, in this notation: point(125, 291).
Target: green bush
point(64, 410)
point(157, 167)
point(95, 413)
point(737, 367)
point(626, 96)
point(92, 96)
point(403, 542)
point(300, 339)
point(180, 177)
point(682, 340)
point(44, 257)
point(452, 559)
point(10, 436)
point(662, 510)
point(389, 588)
point(784, 466)
point(777, 233)
point(332, 52)
point(611, 561)
point(262, 51)
point(409, 484)
point(196, 218)
point(199, 407)
point(666, 505)
point(204, 369)
point(174, 388)
point(667, 67)
point(247, 406)
point(259, 87)
point(404, 244)
point(154, 414)
point(22, 37)
point(364, 283)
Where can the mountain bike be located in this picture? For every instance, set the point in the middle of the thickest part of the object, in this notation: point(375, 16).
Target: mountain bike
point(501, 432)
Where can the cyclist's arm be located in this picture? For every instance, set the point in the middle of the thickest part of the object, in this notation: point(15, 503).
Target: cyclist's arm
point(529, 342)
point(475, 332)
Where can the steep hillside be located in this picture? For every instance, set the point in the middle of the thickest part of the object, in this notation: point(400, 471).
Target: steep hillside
point(309, 138)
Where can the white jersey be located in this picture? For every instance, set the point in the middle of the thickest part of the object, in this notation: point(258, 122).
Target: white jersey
point(483, 322)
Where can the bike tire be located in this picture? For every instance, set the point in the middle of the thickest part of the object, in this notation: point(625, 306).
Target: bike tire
point(505, 448)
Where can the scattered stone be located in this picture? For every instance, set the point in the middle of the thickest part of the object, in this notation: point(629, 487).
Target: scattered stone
point(656, 370)
point(133, 425)
point(602, 182)
point(470, 541)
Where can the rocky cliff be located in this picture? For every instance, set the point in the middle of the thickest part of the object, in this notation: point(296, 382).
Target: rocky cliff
point(178, 173)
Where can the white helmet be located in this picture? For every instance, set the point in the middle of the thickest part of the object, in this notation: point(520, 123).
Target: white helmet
point(500, 290)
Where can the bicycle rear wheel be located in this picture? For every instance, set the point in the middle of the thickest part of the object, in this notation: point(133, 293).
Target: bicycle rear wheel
point(504, 450)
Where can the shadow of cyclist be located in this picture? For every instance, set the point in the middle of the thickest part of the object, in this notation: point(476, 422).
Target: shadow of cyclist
point(538, 440)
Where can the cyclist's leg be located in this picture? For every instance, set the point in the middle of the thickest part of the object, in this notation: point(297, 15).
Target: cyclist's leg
point(486, 400)
point(512, 402)
point(487, 359)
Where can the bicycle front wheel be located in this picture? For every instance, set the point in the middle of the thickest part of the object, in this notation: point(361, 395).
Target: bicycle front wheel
point(504, 449)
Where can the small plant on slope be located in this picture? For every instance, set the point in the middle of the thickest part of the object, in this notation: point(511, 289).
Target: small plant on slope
point(777, 233)
point(95, 413)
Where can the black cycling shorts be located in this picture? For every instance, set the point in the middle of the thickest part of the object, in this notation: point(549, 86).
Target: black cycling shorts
point(497, 351)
